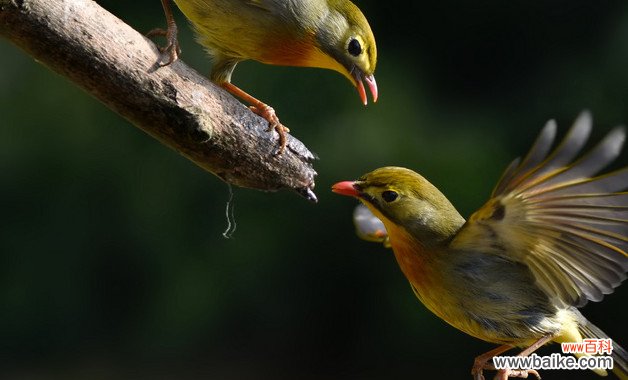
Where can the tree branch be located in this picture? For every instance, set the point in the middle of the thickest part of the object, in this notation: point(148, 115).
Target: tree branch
point(182, 109)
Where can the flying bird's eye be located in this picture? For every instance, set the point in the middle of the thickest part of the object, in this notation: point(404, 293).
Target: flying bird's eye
point(354, 47)
point(389, 195)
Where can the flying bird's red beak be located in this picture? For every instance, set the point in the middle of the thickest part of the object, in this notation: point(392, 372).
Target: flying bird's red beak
point(345, 188)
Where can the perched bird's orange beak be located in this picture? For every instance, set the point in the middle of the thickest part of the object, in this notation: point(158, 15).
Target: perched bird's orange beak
point(358, 76)
point(346, 187)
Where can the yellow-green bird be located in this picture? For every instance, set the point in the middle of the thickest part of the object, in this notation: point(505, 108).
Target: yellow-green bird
point(553, 236)
point(329, 34)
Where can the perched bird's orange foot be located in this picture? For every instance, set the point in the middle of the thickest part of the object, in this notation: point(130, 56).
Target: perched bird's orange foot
point(172, 47)
point(261, 109)
point(505, 374)
point(268, 113)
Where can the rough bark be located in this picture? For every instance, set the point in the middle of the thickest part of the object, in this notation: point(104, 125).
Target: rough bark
point(182, 109)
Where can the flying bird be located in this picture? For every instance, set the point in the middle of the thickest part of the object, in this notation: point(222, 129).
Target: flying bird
point(553, 235)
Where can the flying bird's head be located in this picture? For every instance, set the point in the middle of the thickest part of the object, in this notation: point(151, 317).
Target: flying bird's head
point(402, 197)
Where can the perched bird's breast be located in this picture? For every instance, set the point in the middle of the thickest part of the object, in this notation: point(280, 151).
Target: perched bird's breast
point(272, 32)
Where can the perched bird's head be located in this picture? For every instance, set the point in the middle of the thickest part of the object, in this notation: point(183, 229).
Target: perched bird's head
point(402, 197)
point(345, 36)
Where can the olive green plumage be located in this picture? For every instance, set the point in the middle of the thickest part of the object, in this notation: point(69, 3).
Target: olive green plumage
point(553, 236)
point(309, 33)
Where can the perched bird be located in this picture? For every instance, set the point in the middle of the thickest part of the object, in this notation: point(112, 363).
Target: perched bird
point(330, 34)
point(553, 235)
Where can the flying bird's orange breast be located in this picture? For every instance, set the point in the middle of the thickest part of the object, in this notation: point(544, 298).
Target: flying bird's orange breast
point(425, 271)
point(410, 256)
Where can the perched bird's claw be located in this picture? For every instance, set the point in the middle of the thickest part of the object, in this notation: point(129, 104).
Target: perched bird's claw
point(261, 109)
point(172, 47)
point(268, 113)
point(281, 131)
point(172, 43)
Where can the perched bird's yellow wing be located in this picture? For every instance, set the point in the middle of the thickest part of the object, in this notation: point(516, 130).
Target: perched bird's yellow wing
point(553, 213)
point(267, 5)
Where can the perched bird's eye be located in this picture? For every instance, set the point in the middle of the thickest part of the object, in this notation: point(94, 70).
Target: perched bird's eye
point(354, 47)
point(389, 195)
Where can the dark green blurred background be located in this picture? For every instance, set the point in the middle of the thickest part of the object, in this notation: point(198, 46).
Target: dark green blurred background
point(113, 262)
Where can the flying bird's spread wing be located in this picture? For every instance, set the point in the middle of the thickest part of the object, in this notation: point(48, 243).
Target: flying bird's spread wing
point(369, 227)
point(553, 212)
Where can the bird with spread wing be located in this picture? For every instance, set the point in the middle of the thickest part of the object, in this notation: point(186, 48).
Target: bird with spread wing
point(553, 235)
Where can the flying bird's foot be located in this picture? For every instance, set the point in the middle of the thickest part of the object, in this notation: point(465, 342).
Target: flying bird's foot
point(478, 371)
point(268, 113)
point(505, 374)
point(482, 362)
point(479, 366)
point(172, 48)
